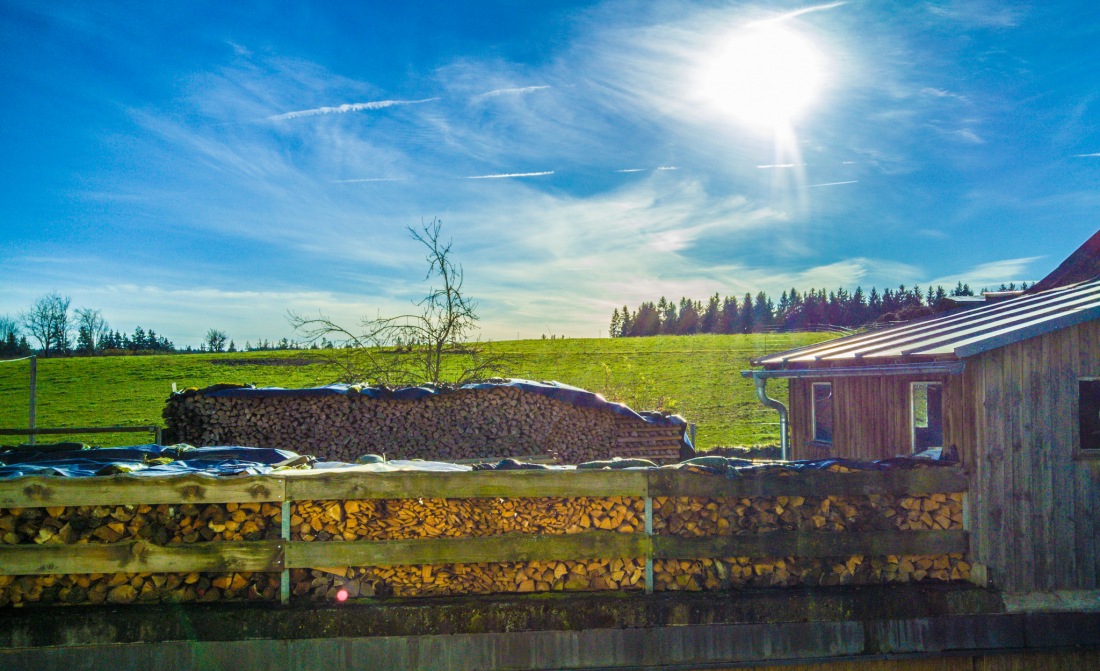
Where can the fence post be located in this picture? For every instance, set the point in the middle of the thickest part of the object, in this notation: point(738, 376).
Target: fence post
point(34, 392)
point(284, 579)
point(649, 532)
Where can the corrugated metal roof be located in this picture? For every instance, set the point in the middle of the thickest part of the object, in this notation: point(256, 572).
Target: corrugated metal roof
point(957, 334)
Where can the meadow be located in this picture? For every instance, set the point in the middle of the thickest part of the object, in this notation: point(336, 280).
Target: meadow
point(698, 377)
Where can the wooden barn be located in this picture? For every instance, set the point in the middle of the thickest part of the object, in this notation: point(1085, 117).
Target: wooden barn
point(1011, 385)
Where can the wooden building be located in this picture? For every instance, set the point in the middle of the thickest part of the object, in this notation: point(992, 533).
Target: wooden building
point(1012, 386)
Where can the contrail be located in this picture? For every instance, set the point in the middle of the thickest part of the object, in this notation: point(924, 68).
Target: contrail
point(511, 174)
point(811, 186)
point(799, 12)
point(347, 107)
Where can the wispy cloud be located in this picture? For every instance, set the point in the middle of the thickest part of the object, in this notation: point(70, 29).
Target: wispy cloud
point(992, 273)
point(941, 93)
point(509, 91)
point(980, 13)
point(369, 179)
point(799, 12)
point(347, 107)
point(631, 170)
point(1092, 155)
point(509, 175)
point(776, 165)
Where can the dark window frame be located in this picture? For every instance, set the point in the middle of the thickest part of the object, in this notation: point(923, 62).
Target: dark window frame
point(1088, 418)
point(923, 438)
point(822, 436)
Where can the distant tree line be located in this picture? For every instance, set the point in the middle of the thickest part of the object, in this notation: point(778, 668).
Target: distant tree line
point(794, 311)
point(51, 328)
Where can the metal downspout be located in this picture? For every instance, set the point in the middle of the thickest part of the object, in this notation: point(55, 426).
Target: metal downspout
point(762, 394)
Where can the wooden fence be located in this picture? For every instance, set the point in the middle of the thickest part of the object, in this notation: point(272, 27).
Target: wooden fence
point(287, 488)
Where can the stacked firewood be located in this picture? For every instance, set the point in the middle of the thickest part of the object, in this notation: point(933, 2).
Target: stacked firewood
point(691, 516)
point(123, 588)
point(695, 517)
point(742, 572)
point(481, 578)
point(443, 518)
point(440, 518)
point(160, 524)
point(155, 524)
point(502, 421)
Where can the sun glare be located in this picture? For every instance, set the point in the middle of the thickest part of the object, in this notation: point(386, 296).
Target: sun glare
point(765, 75)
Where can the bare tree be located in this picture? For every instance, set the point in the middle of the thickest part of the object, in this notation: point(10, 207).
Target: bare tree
point(215, 340)
point(411, 348)
point(48, 322)
point(91, 329)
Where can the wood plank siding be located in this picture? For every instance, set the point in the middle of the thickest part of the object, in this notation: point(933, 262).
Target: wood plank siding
point(871, 416)
point(1033, 503)
point(1013, 414)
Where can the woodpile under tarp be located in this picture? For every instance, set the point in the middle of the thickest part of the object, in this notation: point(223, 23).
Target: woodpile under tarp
point(512, 418)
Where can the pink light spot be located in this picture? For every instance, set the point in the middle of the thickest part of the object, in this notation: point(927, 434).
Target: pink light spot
point(342, 596)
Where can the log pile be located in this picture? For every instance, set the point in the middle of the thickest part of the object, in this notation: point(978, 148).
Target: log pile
point(160, 524)
point(656, 442)
point(319, 521)
point(697, 517)
point(742, 572)
point(691, 516)
point(156, 524)
point(389, 519)
point(502, 421)
point(125, 588)
point(483, 578)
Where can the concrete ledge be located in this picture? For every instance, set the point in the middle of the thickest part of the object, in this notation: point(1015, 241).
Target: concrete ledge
point(104, 625)
point(665, 647)
point(556, 631)
point(1059, 601)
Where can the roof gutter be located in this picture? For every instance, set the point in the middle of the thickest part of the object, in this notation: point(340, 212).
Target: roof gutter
point(762, 394)
point(927, 368)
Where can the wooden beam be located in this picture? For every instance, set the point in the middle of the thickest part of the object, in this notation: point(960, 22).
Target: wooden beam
point(328, 485)
point(40, 491)
point(669, 482)
point(505, 548)
point(813, 544)
point(137, 557)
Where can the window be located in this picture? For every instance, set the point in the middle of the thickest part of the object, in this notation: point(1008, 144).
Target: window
point(1089, 413)
point(926, 404)
point(823, 412)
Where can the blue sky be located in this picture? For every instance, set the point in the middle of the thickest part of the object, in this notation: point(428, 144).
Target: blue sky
point(183, 166)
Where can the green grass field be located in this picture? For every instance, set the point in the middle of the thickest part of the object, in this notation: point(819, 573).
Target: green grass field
point(697, 377)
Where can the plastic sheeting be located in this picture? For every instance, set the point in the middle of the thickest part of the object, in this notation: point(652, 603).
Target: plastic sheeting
point(733, 467)
point(144, 460)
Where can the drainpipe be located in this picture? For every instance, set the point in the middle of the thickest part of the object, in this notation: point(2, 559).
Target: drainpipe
point(762, 394)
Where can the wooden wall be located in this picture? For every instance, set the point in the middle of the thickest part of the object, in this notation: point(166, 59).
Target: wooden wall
point(1012, 413)
point(1034, 505)
point(871, 416)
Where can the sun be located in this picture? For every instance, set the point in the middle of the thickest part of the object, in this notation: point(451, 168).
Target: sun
point(765, 75)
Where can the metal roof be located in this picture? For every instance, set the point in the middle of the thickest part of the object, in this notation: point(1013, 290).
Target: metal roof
point(957, 334)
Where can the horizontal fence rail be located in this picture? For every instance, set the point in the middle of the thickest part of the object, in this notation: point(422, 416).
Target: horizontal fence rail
point(76, 430)
point(283, 554)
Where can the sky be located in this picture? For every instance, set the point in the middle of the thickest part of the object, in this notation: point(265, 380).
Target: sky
point(187, 166)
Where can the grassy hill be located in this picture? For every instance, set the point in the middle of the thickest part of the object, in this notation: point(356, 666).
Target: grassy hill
point(695, 376)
